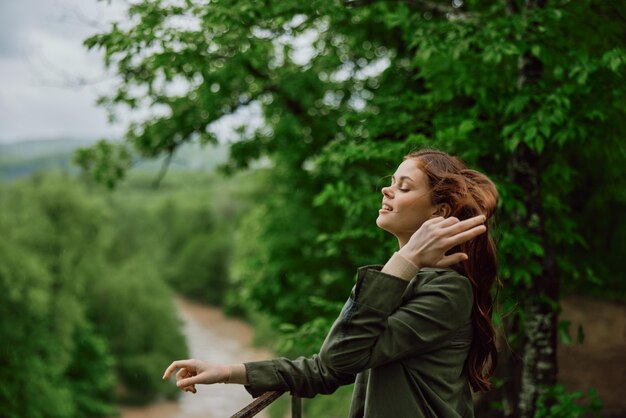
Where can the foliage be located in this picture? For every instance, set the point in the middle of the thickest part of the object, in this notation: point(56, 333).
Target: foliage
point(45, 256)
point(511, 88)
point(25, 290)
point(101, 314)
point(201, 269)
point(133, 310)
point(336, 406)
point(91, 378)
point(556, 402)
point(105, 162)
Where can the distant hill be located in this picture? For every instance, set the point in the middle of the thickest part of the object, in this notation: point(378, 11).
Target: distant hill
point(35, 148)
point(19, 159)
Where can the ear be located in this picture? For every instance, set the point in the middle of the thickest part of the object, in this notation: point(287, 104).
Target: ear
point(442, 209)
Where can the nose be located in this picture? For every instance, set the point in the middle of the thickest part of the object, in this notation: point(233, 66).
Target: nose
point(387, 192)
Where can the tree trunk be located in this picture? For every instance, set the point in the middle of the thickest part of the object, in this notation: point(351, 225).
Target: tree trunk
point(539, 365)
point(539, 326)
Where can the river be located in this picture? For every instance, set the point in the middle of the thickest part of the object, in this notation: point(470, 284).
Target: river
point(215, 338)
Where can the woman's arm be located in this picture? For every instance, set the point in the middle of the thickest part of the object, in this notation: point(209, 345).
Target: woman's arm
point(304, 377)
point(372, 329)
point(375, 328)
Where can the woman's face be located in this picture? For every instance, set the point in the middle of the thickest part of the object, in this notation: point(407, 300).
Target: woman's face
point(406, 202)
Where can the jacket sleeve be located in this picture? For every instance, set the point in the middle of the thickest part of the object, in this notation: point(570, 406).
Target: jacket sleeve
point(375, 327)
point(304, 377)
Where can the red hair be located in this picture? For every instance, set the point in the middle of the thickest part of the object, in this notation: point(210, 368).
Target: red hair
point(469, 193)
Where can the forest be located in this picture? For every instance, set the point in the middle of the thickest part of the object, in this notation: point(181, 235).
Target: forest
point(530, 92)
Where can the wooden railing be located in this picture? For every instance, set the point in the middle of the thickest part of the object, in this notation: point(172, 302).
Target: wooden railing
point(263, 402)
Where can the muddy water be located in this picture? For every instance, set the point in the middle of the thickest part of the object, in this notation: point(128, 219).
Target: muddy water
point(214, 338)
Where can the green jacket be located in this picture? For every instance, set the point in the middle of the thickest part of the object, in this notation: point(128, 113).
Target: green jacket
point(403, 343)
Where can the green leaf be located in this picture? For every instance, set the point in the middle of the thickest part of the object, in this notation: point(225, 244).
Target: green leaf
point(531, 132)
point(564, 333)
point(466, 126)
point(539, 144)
point(536, 51)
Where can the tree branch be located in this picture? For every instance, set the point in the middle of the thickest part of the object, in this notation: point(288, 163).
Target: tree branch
point(450, 12)
point(164, 168)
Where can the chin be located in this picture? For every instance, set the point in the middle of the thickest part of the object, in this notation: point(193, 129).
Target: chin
point(381, 224)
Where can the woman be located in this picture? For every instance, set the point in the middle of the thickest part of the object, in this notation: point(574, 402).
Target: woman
point(416, 334)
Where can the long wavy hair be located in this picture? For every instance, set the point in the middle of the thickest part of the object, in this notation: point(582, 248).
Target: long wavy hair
point(469, 193)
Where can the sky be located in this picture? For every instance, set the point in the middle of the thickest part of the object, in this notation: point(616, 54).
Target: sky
point(49, 82)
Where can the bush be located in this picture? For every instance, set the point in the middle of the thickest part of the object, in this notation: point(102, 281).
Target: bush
point(43, 373)
point(201, 269)
point(51, 235)
point(558, 403)
point(132, 307)
point(73, 316)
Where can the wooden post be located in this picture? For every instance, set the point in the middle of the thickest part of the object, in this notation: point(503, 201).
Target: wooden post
point(296, 407)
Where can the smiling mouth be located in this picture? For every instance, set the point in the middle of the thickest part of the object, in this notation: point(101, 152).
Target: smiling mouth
point(387, 207)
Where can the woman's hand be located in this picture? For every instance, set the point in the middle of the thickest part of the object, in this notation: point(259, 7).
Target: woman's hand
point(428, 245)
point(194, 371)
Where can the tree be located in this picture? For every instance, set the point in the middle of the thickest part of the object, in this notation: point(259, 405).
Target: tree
point(66, 349)
point(48, 239)
point(531, 92)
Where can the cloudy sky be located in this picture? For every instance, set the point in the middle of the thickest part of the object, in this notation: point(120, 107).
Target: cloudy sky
point(49, 82)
